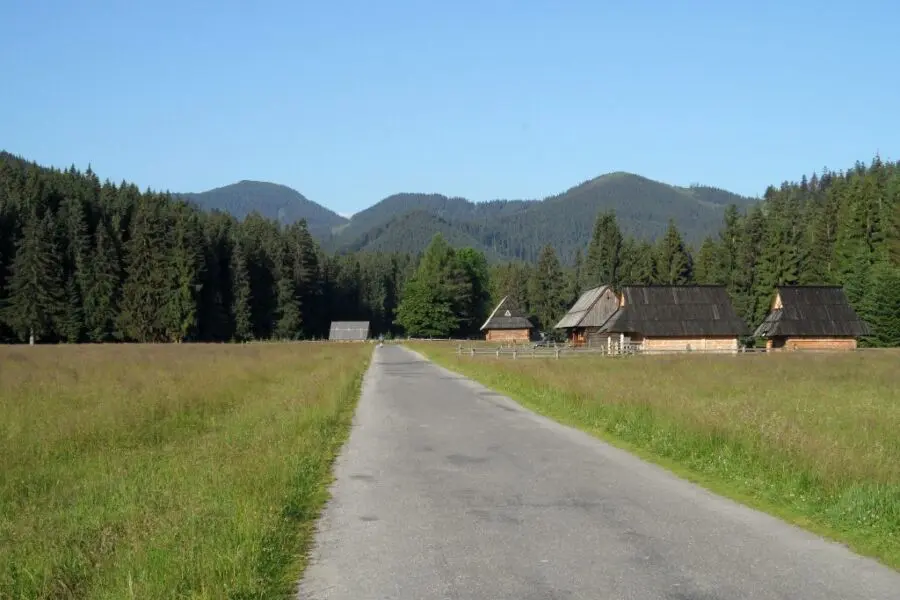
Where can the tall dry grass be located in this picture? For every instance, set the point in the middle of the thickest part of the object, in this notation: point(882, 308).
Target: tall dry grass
point(814, 438)
point(163, 471)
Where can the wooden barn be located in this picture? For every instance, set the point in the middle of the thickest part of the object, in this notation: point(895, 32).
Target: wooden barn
point(811, 317)
point(507, 323)
point(589, 313)
point(349, 331)
point(677, 318)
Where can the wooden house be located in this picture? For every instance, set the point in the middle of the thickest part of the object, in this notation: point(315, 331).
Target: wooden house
point(589, 313)
point(677, 318)
point(349, 331)
point(507, 323)
point(811, 317)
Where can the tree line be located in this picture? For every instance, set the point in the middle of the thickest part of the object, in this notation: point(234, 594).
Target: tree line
point(88, 261)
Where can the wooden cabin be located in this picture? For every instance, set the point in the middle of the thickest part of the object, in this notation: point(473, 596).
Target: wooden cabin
point(677, 318)
point(811, 318)
point(349, 331)
point(589, 313)
point(507, 323)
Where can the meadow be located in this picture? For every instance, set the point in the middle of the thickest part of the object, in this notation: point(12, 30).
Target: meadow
point(167, 471)
point(812, 438)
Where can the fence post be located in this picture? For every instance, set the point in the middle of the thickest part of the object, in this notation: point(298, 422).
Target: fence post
point(458, 349)
point(515, 351)
point(557, 354)
point(471, 351)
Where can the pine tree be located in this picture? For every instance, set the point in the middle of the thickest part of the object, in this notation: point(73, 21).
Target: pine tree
point(707, 268)
point(74, 237)
point(148, 279)
point(673, 262)
point(546, 289)
point(241, 314)
point(575, 279)
point(36, 294)
point(184, 261)
point(101, 295)
point(605, 251)
point(287, 300)
point(882, 306)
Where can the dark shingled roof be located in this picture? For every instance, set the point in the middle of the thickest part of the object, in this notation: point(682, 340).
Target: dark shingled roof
point(507, 316)
point(349, 330)
point(677, 310)
point(814, 311)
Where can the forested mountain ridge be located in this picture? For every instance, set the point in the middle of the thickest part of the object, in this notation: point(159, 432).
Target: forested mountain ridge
point(504, 229)
point(271, 200)
point(518, 229)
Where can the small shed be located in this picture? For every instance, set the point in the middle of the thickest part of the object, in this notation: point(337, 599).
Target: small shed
point(507, 323)
point(677, 318)
point(811, 317)
point(349, 331)
point(589, 313)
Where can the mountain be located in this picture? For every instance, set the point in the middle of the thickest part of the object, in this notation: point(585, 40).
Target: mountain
point(520, 228)
point(271, 200)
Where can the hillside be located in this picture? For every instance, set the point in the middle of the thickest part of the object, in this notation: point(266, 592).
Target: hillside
point(273, 201)
point(518, 229)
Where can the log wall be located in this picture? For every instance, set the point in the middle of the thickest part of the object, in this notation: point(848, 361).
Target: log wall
point(507, 335)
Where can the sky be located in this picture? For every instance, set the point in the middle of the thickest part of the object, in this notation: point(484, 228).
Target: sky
point(351, 101)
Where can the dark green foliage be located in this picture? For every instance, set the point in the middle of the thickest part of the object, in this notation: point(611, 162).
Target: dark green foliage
point(448, 294)
point(148, 275)
point(101, 293)
point(35, 295)
point(547, 290)
point(240, 287)
point(604, 259)
point(882, 306)
point(673, 261)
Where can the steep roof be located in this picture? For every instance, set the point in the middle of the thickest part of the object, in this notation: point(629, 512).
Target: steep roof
point(349, 330)
point(821, 310)
point(580, 314)
point(506, 315)
point(677, 310)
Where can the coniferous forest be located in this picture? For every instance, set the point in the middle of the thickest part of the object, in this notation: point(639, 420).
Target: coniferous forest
point(85, 260)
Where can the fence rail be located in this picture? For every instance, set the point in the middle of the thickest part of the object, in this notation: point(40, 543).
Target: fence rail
point(615, 350)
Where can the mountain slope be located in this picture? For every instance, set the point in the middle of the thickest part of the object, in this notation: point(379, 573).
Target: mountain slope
point(519, 229)
point(270, 200)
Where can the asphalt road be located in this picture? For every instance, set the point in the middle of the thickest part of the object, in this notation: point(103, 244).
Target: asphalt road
point(447, 490)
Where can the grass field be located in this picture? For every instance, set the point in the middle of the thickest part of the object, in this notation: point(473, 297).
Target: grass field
point(171, 471)
point(813, 438)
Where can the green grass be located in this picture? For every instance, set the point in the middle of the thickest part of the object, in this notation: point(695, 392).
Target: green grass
point(812, 438)
point(170, 471)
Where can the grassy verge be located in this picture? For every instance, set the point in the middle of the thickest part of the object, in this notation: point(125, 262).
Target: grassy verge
point(812, 438)
point(176, 471)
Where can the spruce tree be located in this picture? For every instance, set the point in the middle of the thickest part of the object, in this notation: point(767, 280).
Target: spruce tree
point(148, 278)
point(36, 294)
point(707, 268)
point(673, 262)
point(184, 262)
point(241, 314)
point(881, 308)
point(546, 289)
point(605, 251)
point(101, 295)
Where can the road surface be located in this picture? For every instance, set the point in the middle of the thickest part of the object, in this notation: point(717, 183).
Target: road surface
point(447, 490)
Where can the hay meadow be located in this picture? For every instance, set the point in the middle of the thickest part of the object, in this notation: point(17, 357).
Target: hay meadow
point(167, 471)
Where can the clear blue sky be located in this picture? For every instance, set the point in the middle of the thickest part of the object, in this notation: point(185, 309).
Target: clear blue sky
point(350, 101)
